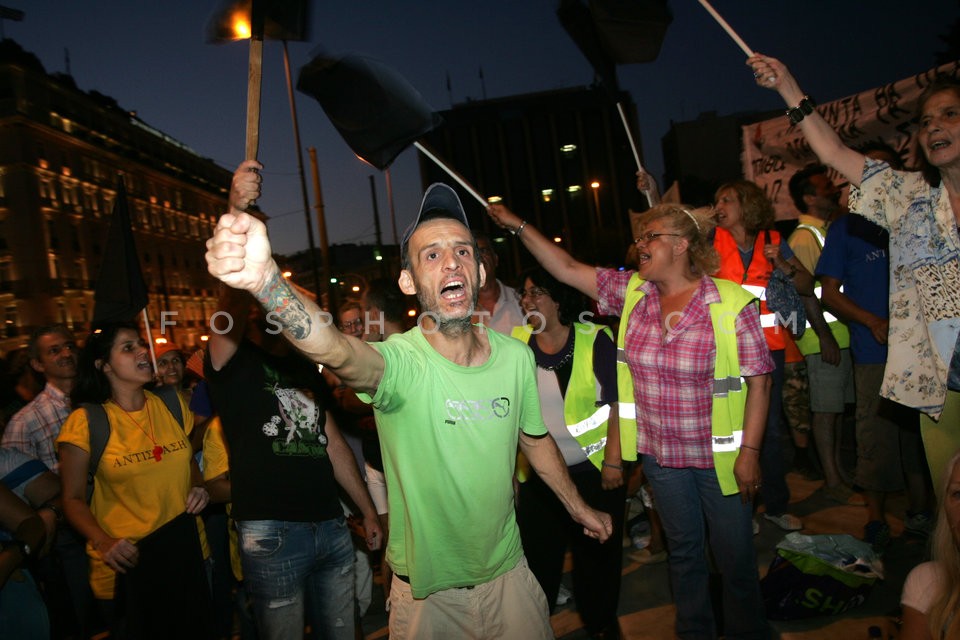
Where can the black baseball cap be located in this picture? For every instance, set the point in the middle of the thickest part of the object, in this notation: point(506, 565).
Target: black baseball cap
point(439, 201)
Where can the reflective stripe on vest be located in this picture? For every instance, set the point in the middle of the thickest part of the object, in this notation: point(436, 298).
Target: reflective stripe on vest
point(728, 443)
point(599, 418)
point(753, 277)
point(723, 386)
point(584, 420)
point(627, 410)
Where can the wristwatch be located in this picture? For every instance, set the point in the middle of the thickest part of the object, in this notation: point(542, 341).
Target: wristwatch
point(57, 512)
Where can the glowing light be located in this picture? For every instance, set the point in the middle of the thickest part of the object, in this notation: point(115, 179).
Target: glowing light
point(204, 338)
point(594, 185)
point(494, 199)
point(379, 258)
point(160, 340)
point(411, 313)
point(568, 148)
point(574, 188)
point(241, 25)
point(557, 239)
point(287, 274)
point(355, 288)
point(547, 194)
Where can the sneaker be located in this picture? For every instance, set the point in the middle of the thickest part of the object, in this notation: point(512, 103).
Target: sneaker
point(563, 596)
point(877, 534)
point(645, 556)
point(786, 521)
point(919, 524)
point(756, 527)
point(842, 494)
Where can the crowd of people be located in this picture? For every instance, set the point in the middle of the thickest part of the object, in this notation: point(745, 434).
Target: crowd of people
point(475, 444)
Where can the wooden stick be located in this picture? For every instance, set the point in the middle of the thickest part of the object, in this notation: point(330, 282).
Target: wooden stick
point(726, 27)
point(453, 174)
point(633, 147)
point(255, 73)
point(146, 328)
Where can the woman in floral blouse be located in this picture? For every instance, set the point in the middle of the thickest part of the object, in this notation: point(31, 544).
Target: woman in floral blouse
point(922, 213)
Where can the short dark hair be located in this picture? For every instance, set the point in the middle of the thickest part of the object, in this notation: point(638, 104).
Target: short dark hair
point(45, 330)
point(92, 384)
point(801, 185)
point(570, 302)
point(385, 294)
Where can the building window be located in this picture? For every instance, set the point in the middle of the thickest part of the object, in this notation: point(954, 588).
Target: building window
point(142, 216)
point(47, 190)
point(90, 201)
point(54, 264)
point(70, 193)
point(53, 241)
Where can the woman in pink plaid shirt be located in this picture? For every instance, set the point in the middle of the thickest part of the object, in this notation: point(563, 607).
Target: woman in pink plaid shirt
point(703, 483)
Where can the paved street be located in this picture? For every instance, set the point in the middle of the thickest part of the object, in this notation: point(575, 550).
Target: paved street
point(646, 609)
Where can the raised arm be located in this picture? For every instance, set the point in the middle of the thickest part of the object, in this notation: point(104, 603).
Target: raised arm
point(238, 255)
point(558, 262)
point(773, 74)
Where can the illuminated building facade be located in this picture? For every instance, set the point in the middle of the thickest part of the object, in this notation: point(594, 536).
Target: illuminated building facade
point(61, 151)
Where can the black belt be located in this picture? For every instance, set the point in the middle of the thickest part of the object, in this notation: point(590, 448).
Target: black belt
point(407, 580)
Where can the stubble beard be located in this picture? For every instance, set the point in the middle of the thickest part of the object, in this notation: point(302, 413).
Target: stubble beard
point(450, 327)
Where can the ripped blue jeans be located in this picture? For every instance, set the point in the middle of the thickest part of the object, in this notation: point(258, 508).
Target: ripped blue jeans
point(296, 568)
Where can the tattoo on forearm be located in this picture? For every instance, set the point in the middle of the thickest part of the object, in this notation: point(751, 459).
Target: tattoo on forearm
point(278, 298)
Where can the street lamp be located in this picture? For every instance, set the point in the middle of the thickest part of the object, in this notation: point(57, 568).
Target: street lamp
point(596, 201)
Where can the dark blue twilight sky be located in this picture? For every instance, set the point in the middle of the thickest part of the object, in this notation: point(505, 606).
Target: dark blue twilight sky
point(152, 58)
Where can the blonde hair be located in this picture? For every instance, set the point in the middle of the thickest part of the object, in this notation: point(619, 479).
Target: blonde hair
point(945, 551)
point(692, 224)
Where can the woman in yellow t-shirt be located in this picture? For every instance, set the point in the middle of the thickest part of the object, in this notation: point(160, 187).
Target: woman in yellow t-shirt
point(145, 479)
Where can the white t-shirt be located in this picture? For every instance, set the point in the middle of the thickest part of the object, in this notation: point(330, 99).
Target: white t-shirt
point(920, 587)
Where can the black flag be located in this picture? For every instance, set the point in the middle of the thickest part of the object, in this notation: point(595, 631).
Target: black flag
point(375, 109)
point(120, 292)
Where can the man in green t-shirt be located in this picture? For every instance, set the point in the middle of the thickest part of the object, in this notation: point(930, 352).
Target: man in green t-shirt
point(453, 400)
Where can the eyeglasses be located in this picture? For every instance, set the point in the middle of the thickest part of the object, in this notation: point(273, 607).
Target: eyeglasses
point(533, 292)
point(350, 325)
point(651, 236)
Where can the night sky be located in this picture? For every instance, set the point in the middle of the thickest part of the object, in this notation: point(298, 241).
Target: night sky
point(152, 58)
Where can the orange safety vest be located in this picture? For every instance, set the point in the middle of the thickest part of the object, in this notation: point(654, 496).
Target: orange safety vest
point(754, 278)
